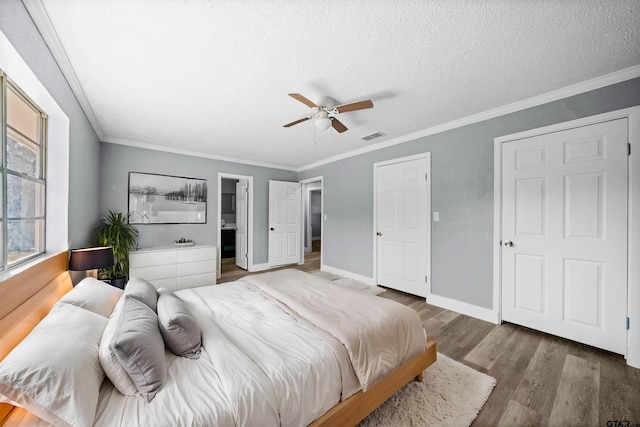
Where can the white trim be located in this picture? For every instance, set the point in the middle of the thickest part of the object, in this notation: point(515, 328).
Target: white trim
point(174, 150)
point(249, 180)
point(57, 219)
point(633, 289)
point(309, 233)
point(478, 312)
point(558, 127)
point(401, 159)
point(565, 92)
point(303, 182)
point(633, 283)
point(40, 17)
point(348, 275)
point(497, 228)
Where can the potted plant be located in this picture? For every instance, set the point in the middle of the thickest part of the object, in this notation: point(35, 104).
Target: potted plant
point(115, 231)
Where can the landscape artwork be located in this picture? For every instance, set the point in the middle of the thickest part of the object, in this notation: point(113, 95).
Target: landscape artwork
point(166, 199)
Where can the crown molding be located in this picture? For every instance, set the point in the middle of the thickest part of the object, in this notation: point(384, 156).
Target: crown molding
point(40, 17)
point(565, 92)
point(39, 14)
point(155, 147)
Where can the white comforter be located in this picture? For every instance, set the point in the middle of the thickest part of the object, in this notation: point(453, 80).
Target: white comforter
point(261, 365)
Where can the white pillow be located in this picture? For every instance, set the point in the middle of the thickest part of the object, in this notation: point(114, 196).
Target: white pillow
point(55, 372)
point(112, 367)
point(93, 295)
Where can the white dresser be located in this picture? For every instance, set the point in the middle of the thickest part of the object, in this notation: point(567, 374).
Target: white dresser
point(175, 268)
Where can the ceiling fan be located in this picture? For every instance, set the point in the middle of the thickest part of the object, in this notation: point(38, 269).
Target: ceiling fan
point(325, 110)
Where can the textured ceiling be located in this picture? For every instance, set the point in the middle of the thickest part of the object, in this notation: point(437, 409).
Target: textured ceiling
point(212, 77)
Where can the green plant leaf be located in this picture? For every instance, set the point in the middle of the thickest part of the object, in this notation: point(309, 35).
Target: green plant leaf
point(114, 230)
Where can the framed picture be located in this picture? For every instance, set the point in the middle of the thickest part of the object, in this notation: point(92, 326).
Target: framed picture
point(166, 199)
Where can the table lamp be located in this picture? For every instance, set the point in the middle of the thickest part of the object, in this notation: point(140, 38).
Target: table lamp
point(91, 259)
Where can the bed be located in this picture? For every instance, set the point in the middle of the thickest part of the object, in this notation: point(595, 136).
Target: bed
point(274, 352)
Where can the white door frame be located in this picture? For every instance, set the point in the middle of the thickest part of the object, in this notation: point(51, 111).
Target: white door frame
point(426, 155)
point(309, 232)
point(321, 188)
point(218, 222)
point(633, 274)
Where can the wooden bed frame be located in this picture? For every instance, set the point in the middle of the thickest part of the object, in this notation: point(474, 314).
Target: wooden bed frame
point(26, 297)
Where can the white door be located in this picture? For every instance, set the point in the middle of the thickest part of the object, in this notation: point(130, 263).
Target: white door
point(564, 252)
point(242, 214)
point(285, 222)
point(403, 226)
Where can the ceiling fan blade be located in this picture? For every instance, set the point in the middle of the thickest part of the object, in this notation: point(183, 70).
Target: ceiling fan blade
point(304, 100)
point(304, 119)
point(337, 125)
point(361, 105)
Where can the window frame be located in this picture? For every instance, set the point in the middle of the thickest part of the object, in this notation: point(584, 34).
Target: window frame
point(40, 179)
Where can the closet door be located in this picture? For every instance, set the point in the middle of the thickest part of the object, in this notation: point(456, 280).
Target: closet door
point(403, 211)
point(564, 231)
point(285, 222)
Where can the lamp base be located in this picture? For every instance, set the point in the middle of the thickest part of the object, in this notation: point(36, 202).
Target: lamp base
point(118, 282)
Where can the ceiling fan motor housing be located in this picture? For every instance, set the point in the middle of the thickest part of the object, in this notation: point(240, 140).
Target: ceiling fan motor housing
point(326, 103)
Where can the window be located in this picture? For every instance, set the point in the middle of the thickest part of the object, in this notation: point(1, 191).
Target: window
point(22, 168)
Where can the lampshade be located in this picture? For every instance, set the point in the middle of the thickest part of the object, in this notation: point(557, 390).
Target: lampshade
point(323, 123)
point(91, 258)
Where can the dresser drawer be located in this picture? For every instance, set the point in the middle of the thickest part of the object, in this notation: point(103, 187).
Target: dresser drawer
point(196, 254)
point(154, 272)
point(175, 268)
point(197, 267)
point(147, 259)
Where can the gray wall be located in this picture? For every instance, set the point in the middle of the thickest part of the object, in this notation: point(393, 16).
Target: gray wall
point(84, 160)
point(462, 184)
point(462, 191)
point(118, 160)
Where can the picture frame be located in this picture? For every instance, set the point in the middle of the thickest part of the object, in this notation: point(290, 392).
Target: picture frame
point(166, 199)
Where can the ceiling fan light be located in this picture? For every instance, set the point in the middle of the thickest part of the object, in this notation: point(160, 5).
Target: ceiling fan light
point(322, 123)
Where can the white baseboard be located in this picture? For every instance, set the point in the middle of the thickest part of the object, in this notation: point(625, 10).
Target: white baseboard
point(364, 279)
point(464, 308)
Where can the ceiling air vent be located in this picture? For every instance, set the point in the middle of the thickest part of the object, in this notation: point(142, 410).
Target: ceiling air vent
point(372, 136)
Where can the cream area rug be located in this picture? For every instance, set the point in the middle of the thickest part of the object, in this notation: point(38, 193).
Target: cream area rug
point(450, 394)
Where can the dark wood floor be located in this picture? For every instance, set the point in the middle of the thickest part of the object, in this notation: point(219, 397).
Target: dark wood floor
point(542, 380)
point(230, 272)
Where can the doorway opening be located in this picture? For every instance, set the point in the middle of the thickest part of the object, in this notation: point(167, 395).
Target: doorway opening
point(235, 222)
point(313, 219)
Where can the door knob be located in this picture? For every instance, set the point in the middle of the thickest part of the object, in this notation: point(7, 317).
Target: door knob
point(508, 243)
point(378, 234)
point(271, 228)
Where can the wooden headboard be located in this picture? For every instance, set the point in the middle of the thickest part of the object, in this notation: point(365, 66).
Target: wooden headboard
point(25, 298)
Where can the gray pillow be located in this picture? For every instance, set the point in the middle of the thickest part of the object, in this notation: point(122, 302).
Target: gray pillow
point(143, 291)
point(139, 347)
point(179, 328)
